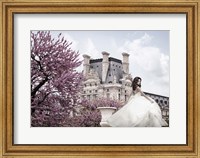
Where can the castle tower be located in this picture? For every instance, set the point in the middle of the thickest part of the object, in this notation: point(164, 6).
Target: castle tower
point(105, 65)
point(86, 64)
point(125, 62)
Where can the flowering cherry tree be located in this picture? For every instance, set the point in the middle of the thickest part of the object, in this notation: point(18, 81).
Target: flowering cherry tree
point(89, 115)
point(55, 82)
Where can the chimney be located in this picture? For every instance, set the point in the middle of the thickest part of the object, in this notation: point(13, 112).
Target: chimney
point(125, 62)
point(86, 64)
point(105, 64)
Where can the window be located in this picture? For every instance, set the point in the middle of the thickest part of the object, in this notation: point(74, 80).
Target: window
point(107, 90)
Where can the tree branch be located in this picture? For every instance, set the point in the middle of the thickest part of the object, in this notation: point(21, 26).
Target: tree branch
point(38, 86)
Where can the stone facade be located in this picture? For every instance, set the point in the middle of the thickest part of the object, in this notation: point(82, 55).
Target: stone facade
point(109, 77)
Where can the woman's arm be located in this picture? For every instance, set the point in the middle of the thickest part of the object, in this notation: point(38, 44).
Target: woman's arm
point(142, 93)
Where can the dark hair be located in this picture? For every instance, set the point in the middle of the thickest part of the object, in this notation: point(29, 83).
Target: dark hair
point(134, 83)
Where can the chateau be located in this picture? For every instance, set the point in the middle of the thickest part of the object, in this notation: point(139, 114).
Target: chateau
point(109, 77)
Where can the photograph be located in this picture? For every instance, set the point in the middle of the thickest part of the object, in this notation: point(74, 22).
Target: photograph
point(100, 78)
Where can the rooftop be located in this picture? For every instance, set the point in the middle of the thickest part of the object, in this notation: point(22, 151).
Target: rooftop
point(109, 59)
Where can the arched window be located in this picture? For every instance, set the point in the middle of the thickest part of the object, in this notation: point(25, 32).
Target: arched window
point(119, 96)
point(125, 97)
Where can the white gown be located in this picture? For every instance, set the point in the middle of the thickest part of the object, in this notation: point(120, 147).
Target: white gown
point(138, 112)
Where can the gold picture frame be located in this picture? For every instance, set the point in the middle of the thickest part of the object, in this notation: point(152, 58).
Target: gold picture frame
point(10, 7)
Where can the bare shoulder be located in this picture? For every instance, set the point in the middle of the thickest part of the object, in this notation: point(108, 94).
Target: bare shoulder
point(138, 89)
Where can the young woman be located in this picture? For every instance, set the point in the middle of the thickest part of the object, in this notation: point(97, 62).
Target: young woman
point(140, 110)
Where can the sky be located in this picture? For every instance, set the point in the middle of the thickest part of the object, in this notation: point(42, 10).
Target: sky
point(148, 50)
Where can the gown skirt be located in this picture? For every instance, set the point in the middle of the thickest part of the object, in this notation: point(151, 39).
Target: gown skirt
point(138, 112)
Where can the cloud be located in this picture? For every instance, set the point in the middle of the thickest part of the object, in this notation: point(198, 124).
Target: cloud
point(148, 62)
point(90, 48)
